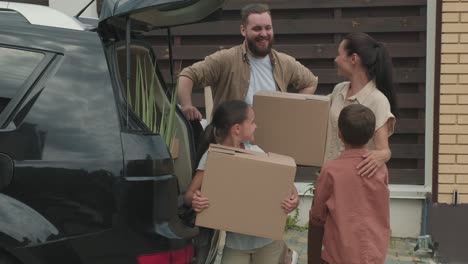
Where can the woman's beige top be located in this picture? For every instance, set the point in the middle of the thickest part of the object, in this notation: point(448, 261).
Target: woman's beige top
point(368, 96)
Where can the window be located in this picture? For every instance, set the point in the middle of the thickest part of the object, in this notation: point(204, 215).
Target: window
point(15, 68)
point(145, 91)
point(12, 16)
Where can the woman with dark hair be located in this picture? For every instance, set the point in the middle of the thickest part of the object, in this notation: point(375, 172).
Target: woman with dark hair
point(367, 65)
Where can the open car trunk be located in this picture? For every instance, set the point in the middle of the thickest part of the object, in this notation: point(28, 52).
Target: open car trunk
point(149, 15)
point(133, 61)
point(121, 19)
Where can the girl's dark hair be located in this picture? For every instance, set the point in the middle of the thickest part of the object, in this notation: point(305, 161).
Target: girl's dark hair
point(377, 61)
point(226, 115)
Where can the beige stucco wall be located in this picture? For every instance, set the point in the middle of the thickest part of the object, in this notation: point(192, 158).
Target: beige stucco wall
point(453, 148)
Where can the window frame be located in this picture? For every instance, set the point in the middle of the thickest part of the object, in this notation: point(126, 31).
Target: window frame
point(121, 85)
point(28, 83)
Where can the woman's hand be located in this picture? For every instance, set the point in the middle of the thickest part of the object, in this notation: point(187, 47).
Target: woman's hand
point(291, 202)
point(199, 202)
point(372, 161)
point(378, 157)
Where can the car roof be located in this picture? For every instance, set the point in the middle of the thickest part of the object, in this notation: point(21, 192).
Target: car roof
point(38, 15)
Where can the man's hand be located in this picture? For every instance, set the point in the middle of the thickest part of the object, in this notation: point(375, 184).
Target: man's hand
point(184, 93)
point(199, 202)
point(191, 113)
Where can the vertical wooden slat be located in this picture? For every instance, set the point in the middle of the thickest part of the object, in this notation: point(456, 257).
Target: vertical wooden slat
point(337, 13)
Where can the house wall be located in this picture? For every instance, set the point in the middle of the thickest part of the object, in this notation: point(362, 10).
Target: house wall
point(446, 221)
point(453, 128)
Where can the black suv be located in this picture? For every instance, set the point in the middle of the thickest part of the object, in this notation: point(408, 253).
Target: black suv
point(82, 178)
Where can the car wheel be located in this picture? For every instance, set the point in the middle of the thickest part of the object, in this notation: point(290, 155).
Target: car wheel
point(7, 259)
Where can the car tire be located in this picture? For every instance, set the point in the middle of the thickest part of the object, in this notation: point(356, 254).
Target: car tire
point(7, 259)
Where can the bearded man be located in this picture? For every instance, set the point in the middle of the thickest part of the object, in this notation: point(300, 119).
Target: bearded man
point(241, 71)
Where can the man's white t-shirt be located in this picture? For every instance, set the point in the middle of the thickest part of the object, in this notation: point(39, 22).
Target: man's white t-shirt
point(261, 77)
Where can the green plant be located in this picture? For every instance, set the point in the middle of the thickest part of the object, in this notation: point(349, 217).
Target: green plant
point(310, 189)
point(311, 186)
point(292, 222)
point(145, 106)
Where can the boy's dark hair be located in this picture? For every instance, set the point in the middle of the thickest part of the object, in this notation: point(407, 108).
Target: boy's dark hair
point(226, 115)
point(249, 9)
point(356, 124)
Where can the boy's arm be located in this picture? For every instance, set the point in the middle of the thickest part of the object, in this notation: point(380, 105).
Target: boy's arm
point(323, 191)
point(314, 244)
point(318, 215)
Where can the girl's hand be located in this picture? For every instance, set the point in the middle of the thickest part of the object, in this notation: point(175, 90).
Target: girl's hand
point(291, 202)
point(199, 202)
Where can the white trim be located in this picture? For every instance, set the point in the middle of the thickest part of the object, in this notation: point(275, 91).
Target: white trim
point(417, 192)
point(430, 69)
point(397, 191)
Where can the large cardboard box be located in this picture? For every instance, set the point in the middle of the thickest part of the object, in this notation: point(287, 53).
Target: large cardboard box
point(292, 124)
point(245, 189)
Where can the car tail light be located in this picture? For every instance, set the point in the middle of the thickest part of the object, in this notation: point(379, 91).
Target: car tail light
point(180, 256)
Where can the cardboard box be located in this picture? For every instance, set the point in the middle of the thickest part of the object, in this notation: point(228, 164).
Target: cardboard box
point(292, 124)
point(245, 190)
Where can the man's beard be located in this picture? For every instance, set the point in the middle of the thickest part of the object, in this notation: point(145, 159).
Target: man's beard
point(257, 52)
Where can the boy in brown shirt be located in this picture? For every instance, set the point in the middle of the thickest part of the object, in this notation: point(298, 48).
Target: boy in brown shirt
point(350, 212)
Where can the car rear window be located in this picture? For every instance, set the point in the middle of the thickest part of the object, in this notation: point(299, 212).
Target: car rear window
point(11, 16)
point(15, 67)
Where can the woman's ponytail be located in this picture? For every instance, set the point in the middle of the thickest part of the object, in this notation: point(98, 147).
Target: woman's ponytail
point(377, 61)
point(384, 75)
